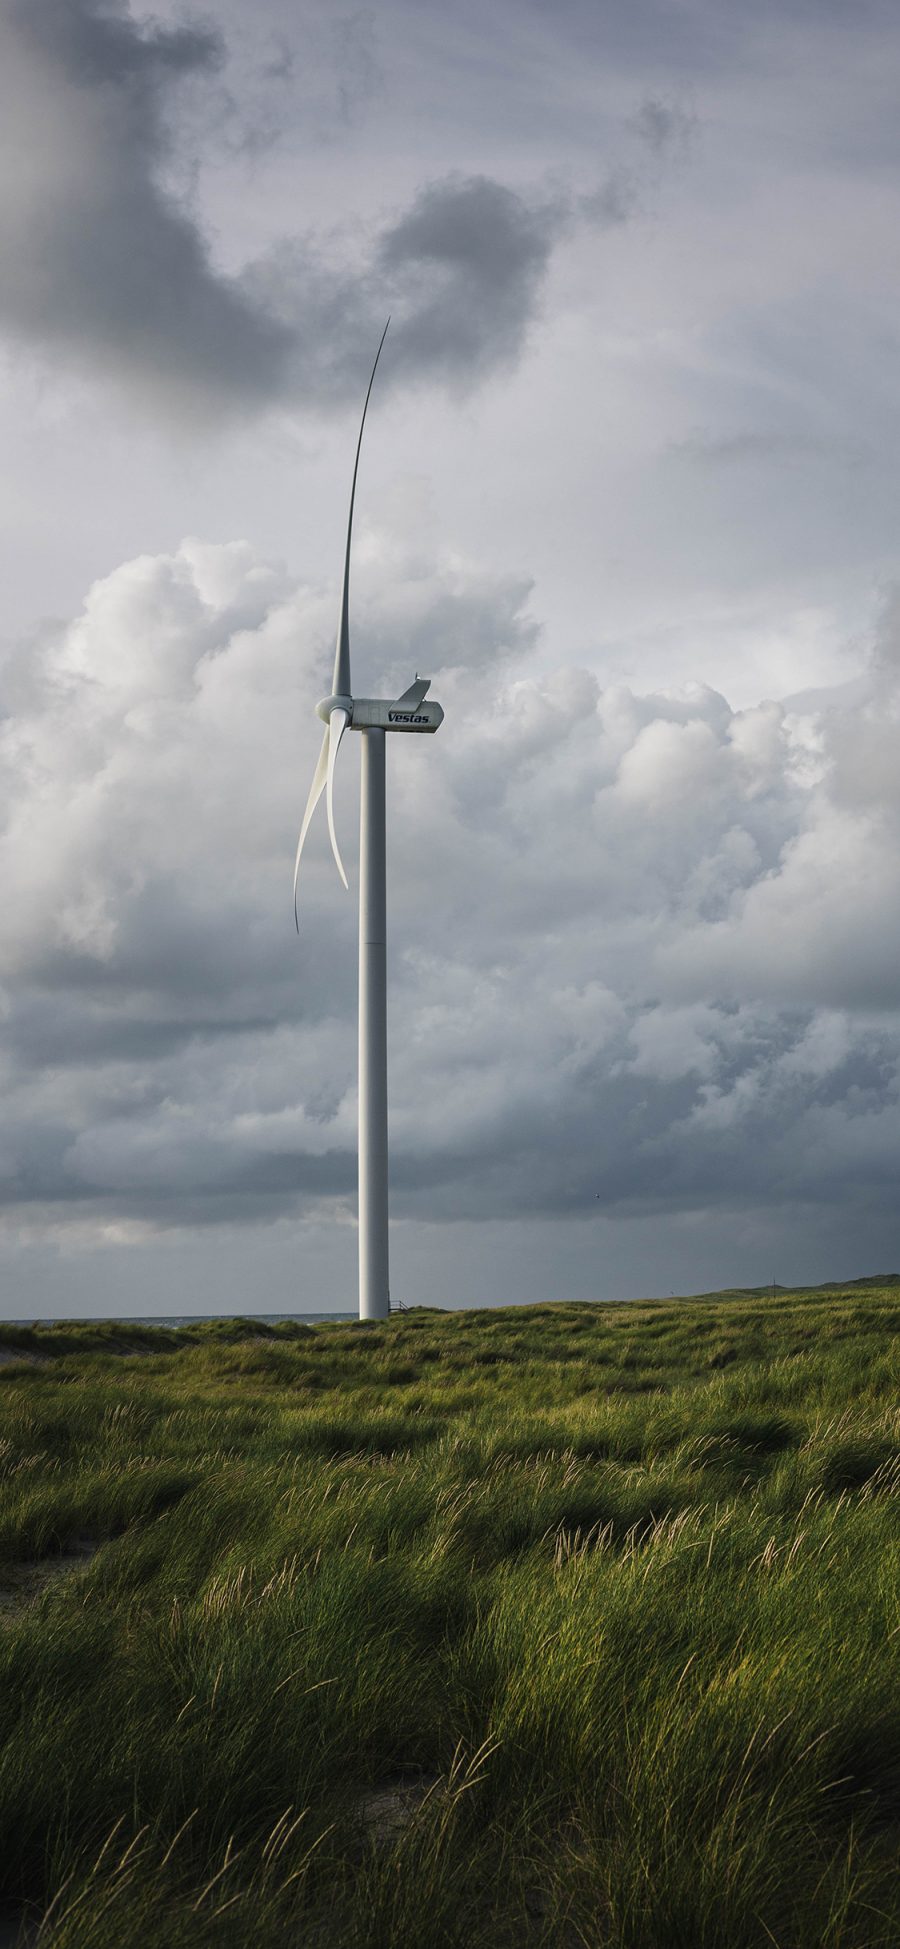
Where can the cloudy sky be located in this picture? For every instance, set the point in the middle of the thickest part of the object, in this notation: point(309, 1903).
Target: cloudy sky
point(629, 496)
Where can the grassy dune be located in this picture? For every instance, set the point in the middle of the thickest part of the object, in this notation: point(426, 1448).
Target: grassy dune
point(559, 1625)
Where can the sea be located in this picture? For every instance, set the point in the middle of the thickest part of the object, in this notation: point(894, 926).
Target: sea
point(176, 1319)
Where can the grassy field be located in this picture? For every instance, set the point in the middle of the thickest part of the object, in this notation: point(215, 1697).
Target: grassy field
point(553, 1625)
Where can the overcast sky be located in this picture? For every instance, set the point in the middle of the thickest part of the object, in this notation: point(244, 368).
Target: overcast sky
point(629, 496)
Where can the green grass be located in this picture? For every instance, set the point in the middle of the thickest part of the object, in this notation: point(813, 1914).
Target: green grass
point(556, 1625)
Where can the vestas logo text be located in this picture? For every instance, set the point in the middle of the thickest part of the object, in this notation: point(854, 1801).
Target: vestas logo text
point(406, 717)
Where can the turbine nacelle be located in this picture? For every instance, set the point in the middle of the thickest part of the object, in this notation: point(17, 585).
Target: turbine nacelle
point(380, 714)
point(406, 713)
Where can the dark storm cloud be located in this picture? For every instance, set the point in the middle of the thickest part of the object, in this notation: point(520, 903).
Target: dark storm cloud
point(101, 262)
point(459, 272)
point(97, 259)
point(97, 43)
point(473, 254)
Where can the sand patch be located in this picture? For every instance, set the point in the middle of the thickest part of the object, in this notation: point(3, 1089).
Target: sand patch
point(387, 1810)
point(21, 1583)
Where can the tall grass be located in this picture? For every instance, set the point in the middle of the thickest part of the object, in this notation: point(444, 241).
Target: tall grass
point(600, 1603)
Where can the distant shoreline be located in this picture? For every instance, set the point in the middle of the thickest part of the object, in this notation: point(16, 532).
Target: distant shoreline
point(168, 1319)
point(771, 1290)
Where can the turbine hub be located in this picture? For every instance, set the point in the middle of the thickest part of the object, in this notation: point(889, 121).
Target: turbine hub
point(329, 704)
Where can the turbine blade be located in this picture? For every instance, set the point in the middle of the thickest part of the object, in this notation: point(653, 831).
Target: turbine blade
point(416, 692)
point(340, 686)
point(315, 792)
point(337, 725)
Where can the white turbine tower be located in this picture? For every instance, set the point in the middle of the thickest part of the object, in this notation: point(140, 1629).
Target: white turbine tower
point(372, 717)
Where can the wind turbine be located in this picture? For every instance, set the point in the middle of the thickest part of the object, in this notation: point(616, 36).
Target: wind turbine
point(373, 717)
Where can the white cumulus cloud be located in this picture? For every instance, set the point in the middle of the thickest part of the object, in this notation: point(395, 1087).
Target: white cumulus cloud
point(638, 958)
